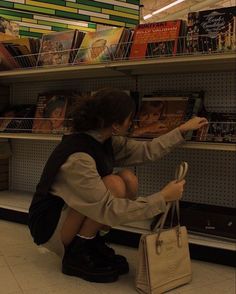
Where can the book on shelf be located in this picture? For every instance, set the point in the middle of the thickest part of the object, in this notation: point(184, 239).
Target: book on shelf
point(221, 128)
point(53, 112)
point(101, 45)
point(211, 30)
point(159, 114)
point(156, 39)
point(17, 118)
point(57, 48)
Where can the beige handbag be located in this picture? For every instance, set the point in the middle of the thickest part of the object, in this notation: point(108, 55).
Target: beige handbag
point(163, 257)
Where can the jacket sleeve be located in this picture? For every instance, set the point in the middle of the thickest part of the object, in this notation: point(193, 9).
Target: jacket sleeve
point(129, 152)
point(81, 187)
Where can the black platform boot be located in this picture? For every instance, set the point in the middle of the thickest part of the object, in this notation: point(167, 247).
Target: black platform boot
point(118, 262)
point(81, 260)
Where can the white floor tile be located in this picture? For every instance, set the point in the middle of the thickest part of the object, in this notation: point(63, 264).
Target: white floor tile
point(7, 281)
point(26, 269)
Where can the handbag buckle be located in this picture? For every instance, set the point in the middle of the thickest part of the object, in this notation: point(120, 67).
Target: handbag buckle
point(158, 246)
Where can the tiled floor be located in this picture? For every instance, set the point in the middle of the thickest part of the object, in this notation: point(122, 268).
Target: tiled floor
point(24, 268)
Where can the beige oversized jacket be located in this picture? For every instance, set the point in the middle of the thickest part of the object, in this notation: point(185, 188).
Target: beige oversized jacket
point(81, 187)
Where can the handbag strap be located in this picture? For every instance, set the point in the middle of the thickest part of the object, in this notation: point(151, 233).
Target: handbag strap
point(180, 174)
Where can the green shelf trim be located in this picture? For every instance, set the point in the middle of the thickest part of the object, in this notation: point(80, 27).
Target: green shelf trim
point(52, 23)
point(127, 10)
point(72, 15)
point(15, 13)
point(97, 4)
point(34, 9)
point(124, 19)
point(6, 4)
point(84, 7)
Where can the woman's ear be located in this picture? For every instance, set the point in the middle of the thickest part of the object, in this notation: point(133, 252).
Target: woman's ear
point(115, 128)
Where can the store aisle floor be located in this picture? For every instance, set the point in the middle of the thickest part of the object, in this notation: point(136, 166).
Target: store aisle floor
point(26, 269)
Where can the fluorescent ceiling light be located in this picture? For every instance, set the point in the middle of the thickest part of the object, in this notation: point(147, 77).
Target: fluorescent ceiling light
point(163, 8)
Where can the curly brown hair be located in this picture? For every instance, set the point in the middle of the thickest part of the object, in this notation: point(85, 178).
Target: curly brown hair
point(102, 109)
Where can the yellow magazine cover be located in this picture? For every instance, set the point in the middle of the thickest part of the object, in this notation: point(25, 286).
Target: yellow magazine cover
point(99, 46)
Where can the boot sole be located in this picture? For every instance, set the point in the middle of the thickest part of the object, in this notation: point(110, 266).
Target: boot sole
point(122, 270)
point(91, 277)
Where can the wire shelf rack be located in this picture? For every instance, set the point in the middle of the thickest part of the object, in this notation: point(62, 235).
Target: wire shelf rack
point(217, 132)
point(182, 46)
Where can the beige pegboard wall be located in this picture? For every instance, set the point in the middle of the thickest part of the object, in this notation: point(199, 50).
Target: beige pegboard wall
point(27, 163)
point(217, 186)
point(219, 87)
point(28, 93)
point(211, 177)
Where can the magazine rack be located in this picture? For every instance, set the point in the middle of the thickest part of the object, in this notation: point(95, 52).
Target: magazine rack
point(221, 132)
point(186, 46)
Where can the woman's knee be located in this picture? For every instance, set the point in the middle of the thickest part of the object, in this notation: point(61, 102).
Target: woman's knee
point(116, 185)
point(131, 182)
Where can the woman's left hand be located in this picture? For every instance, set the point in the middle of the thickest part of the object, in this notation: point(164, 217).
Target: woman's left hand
point(194, 123)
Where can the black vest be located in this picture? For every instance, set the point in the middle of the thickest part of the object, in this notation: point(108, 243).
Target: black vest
point(45, 209)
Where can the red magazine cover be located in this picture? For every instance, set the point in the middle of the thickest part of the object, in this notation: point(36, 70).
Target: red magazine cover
point(153, 39)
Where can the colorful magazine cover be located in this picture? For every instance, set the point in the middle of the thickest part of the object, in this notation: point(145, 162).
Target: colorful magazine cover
point(54, 111)
point(50, 113)
point(55, 48)
point(211, 30)
point(99, 46)
point(155, 39)
point(159, 115)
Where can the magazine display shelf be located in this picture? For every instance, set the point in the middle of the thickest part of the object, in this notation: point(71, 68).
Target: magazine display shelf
point(190, 145)
point(14, 203)
point(191, 63)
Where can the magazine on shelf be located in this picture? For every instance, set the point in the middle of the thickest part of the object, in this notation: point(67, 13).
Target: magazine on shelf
point(56, 48)
point(6, 59)
point(221, 128)
point(159, 114)
point(211, 30)
point(100, 46)
point(17, 118)
point(54, 111)
point(23, 51)
point(156, 39)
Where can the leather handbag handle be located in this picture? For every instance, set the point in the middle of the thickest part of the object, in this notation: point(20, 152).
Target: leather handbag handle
point(180, 174)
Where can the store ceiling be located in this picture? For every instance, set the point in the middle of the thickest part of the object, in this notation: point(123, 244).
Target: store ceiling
point(180, 10)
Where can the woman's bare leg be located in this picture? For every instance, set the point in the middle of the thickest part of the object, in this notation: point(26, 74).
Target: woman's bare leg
point(76, 223)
